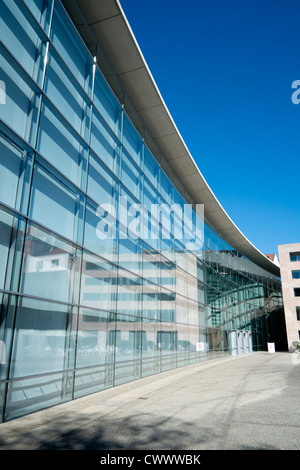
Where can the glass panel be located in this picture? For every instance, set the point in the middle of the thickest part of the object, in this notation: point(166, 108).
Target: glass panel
point(69, 46)
point(131, 176)
point(31, 395)
point(41, 10)
point(50, 268)
point(151, 264)
point(43, 340)
point(181, 309)
point(66, 95)
point(129, 293)
point(128, 338)
point(92, 380)
point(54, 203)
point(11, 158)
point(133, 216)
point(105, 144)
point(166, 188)
point(167, 341)
point(151, 196)
point(127, 371)
point(183, 345)
point(8, 235)
point(130, 253)
point(7, 313)
point(152, 308)
point(102, 186)
point(98, 283)
point(150, 350)
point(60, 145)
point(16, 106)
point(151, 168)
point(107, 104)
point(100, 232)
point(18, 35)
point(94, 342)
point(168, 305)
point(132, 141)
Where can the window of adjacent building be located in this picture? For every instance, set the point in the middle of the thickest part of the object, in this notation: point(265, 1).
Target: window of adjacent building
point(296, 274)
point(297, 292)
point(298, 313)
point(39, 265)
point(295, 256)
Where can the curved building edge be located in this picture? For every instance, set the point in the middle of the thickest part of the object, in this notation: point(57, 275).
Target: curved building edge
point(111, 29)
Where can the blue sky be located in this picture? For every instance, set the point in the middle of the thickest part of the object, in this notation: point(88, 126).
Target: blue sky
point(225, 70)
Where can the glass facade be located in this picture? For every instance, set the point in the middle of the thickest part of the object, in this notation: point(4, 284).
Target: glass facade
point(97, 284)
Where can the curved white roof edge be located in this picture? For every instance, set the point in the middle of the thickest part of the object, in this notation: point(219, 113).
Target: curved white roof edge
point(112, 31)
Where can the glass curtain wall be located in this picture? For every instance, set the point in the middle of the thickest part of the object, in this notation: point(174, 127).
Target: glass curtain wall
point(97, 288)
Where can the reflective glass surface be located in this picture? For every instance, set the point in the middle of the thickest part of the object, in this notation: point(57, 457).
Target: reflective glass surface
point(101, 280)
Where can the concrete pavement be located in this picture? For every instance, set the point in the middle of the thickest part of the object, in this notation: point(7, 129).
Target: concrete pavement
point(240, 403)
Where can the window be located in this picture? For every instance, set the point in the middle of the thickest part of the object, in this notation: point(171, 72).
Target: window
point(100, 232)
point(60, 145)
point(21, 104)
point(298, 313)
point(98, 286)
point(107, 104)
point(296, 274)
point(102, 186)
point(41, 11)
point(66, 94)
point(151, 168)
point(151, 196)
point(10, 170)
point(105, 144)
point(131, 176)
point(7, 232)
point(71, 49)
point(295, 256)
point(38, 266)
point(38, 276)
point(297, 292)
point(94, 342)
point(166, 188)
point(41, 343)
point(54, 203)
point(20, 37)
point(132, 141)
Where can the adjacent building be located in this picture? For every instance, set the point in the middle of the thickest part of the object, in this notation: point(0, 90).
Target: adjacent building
point(289, 258)
point(110, 270)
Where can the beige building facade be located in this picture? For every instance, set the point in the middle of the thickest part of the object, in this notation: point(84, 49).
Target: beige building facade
point(289, 259)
